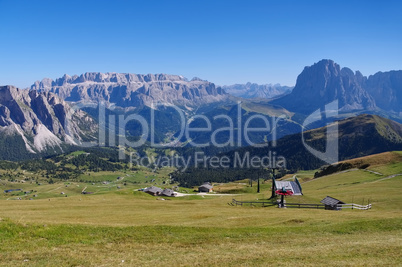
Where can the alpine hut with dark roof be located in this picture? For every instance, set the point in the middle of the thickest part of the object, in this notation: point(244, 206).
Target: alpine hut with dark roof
point(153, 190)
point(331, 203)
point(168, 193)
point(206, 187)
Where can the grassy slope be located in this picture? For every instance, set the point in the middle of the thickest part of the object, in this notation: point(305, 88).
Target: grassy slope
point(92, 181)
point(104, 229)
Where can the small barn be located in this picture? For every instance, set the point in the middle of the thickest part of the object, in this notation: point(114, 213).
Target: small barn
point(331, 203)
point(153, 190)
point(168, 193)
point(206, 187)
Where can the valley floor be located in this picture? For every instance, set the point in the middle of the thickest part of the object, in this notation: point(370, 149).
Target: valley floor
point(126, 227)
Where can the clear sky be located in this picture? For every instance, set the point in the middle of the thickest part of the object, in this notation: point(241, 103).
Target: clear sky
point(224, 42)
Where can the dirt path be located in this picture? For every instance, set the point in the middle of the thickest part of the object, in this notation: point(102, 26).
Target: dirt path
point(203, 194)
point(388, 177)
point(374, 172)
point(53, 189)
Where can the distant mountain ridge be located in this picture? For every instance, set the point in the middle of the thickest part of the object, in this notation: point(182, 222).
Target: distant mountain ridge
point(37, 117)
point(317, 85)
point(253, 90)
point(129, 90)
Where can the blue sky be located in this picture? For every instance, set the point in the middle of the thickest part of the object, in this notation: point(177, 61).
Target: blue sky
point(224, 42)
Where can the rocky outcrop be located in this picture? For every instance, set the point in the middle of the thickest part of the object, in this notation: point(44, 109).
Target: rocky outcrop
point(42, 120)
point(133, 90)
point(386, 89)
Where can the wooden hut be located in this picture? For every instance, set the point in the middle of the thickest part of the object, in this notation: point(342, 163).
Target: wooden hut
point(331, 203)
point(153, 190)
point(206, 187)
point(168, 193)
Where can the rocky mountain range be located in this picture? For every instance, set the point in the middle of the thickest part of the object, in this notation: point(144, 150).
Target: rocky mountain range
point(36, 120)
point(39, 121)
point(317, 85)
point(326, 81)
point(133, 90)
point(253, 90)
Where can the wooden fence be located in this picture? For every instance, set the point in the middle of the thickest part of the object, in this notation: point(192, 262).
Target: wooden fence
point(296, 205)
point(304, 206)
point(252, 203)
point(354, 206)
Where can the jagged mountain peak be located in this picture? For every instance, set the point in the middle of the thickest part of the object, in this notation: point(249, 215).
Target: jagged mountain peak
point(324, 82)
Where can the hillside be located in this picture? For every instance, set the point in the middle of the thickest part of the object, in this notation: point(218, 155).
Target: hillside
point(118, 224)
point(376, 160)
point(378, 182)
point(358, 136)
point(35, 123)
point(367, 163)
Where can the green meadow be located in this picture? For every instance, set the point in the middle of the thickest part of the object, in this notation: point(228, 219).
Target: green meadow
point(120, 226)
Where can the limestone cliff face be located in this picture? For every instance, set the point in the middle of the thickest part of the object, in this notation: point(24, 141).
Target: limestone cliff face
point(42, 120)
point(133, 90)
point(386, 88)
point(325, 82)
